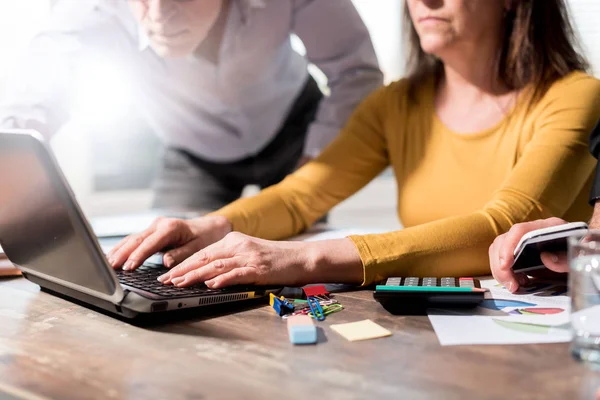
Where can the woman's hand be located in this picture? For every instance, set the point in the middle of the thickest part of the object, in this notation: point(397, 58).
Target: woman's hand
point(502, 254)
point(239, 259)
point(184, 237)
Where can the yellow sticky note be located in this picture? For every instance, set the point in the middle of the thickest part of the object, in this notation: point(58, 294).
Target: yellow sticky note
point(361, 330)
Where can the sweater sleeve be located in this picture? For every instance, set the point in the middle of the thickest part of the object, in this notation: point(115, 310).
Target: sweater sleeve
point(352, 160)
point(547, 178)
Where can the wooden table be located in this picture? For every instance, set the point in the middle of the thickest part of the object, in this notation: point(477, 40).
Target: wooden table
point(52, 348)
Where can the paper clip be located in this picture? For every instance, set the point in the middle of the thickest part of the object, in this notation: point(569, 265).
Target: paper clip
point(329, 310)
point(281, 305)
point(315, 291)
point(315, 308)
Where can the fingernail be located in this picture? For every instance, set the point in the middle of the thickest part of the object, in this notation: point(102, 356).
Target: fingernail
point(128, 266)
point(168, 260)
point(178, 281)
point(523, 280)
point(210, 283)
point(163, 278)
point(112, 262)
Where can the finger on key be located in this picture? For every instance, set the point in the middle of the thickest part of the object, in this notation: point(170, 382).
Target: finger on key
point(151, 245)
point(201, 258)
point(116, 248)
point(180, 254)
point(121, 255)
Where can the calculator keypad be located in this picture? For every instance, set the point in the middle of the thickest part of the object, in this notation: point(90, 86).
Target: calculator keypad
point(432, 282)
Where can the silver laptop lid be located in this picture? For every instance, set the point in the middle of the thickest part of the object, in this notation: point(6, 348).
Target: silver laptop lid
point(42, 229)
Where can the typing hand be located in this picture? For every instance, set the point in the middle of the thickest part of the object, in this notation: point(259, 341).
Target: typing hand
point(183, 237)
point(501, 254)
point(239, 259)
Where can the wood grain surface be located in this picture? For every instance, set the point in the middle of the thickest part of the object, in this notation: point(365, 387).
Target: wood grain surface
point(52, 348)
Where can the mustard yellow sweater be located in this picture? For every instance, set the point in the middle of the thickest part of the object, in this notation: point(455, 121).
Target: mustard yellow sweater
point(456, 192)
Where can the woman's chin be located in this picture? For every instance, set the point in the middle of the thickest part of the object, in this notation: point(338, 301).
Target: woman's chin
point(434, 46)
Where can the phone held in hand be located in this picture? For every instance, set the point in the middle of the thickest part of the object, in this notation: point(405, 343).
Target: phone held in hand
point(551, 240)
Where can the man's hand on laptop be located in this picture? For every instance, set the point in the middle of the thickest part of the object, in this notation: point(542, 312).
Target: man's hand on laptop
point(183, 237)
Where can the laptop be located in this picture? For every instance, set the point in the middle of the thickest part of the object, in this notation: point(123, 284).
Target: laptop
point(45, 234)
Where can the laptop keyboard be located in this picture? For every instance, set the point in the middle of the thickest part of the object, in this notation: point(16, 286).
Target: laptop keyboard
point(144, 278)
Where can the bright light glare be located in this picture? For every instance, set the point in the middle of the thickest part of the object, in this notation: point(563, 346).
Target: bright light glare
point(19, 21)
point(102, 93)
point(383, 19)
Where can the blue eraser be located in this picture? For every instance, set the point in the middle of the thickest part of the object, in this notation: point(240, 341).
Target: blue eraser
point(302, 329)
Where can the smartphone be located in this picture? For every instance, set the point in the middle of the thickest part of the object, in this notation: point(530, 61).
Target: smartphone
point(553, 240)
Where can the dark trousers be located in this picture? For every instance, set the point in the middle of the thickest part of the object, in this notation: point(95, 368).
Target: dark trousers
point(189, 182)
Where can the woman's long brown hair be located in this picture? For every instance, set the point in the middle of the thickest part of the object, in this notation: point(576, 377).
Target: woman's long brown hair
point(539, 46)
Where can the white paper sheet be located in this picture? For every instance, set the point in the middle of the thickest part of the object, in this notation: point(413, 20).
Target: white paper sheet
point(539, 314)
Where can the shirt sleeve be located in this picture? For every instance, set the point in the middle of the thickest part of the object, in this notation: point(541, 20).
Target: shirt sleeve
point(339, 44)
point(595, 150)
point(355, 157)
point(39, 94)
point(550, 174)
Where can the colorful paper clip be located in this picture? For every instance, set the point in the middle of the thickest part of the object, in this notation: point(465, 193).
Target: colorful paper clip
point(316, 290)
point(281, 305)
point(329, 310)
point(315, 308)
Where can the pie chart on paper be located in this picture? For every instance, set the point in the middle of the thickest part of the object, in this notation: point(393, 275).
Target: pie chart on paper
point(537, 311)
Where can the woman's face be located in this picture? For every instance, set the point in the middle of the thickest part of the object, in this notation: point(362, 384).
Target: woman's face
point(176, 27)
point(444, 25)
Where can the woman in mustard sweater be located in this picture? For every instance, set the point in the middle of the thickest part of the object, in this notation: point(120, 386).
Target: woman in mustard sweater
point(488, 130)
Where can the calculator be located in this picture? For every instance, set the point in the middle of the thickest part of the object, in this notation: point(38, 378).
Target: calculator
point(410, 296)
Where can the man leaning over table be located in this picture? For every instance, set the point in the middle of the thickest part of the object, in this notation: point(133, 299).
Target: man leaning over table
point(217, 80)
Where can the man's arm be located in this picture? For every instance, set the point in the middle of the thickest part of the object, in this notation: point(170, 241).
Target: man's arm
point(338, 43)
point(38, 96)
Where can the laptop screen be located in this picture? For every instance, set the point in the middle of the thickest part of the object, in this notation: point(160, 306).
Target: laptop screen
point(40, 227)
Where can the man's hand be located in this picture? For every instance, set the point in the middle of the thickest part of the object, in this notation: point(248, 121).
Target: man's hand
point(184, 238)
point(502, 254)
